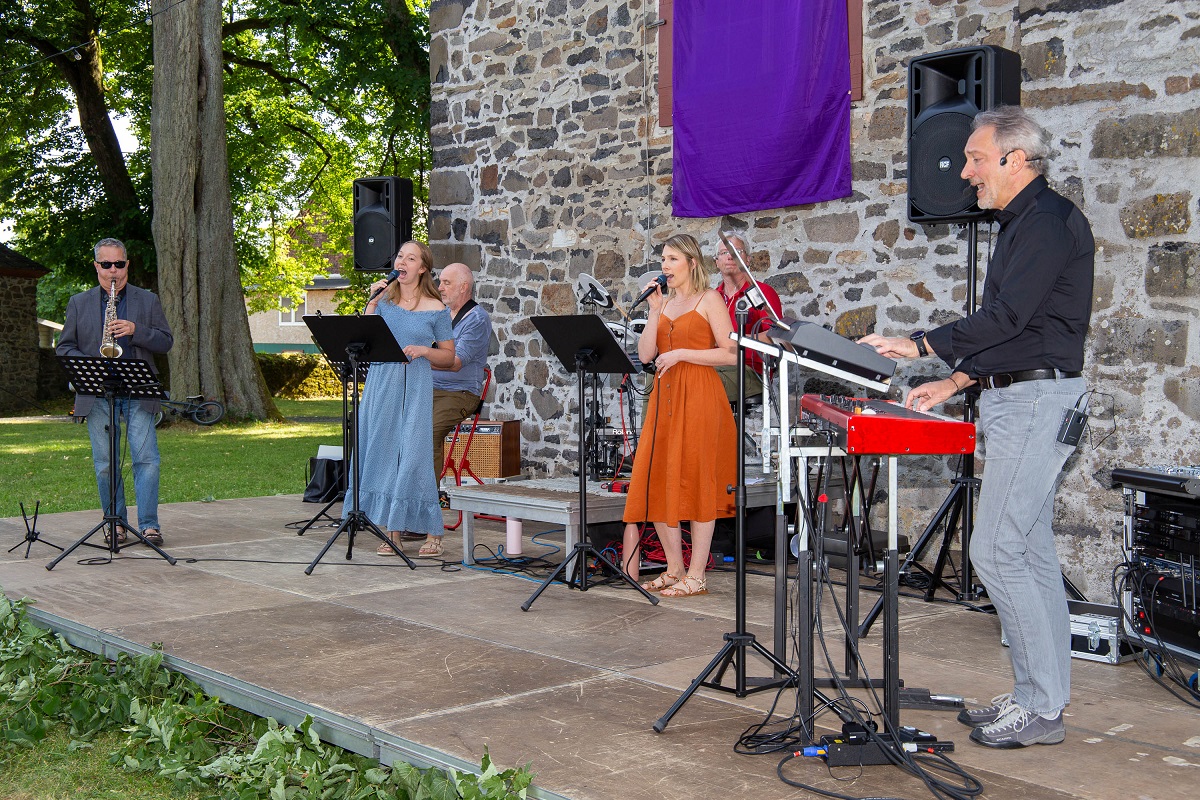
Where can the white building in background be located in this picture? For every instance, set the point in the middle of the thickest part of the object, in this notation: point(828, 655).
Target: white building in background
point(284, 331)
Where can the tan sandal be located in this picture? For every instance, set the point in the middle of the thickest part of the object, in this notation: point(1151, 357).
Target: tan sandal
point(384, 550)
point(661, 582)
point(688, 587)
point(432, 548)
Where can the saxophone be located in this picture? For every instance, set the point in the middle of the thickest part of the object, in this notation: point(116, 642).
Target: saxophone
point(108, 343)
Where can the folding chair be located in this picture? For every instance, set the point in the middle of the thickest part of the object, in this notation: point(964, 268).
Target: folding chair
point(464, 463)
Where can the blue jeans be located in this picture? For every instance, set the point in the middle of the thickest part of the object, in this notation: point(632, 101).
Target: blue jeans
point(1012, 547)
point(142, 442)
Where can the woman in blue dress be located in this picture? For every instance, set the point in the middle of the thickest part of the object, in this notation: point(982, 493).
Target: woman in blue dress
point(398, 490)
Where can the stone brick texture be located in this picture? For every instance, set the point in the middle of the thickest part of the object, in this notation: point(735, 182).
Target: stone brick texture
point(549, 161)
point(18, 342)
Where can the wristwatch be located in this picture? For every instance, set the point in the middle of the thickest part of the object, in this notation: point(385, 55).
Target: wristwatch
point(919, 338)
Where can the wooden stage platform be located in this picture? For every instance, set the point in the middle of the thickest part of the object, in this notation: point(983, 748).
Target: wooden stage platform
point(432, 665)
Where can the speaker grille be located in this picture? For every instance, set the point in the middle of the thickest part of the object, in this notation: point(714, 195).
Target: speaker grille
point(374, 240)
point(936, 162)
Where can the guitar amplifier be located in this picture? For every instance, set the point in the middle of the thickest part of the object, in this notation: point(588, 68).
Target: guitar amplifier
point(495, 449)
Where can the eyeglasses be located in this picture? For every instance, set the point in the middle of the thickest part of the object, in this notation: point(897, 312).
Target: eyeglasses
point(112, 264)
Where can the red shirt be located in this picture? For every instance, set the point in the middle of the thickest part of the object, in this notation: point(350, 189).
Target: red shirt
point(754, 318)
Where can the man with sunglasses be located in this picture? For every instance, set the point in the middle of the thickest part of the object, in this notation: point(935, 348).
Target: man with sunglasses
point(141, 330)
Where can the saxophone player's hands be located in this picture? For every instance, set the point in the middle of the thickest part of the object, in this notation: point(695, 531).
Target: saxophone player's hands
point(121, 327)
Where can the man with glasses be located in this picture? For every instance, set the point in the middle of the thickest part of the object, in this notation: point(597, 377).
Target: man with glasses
point(1024, 347)
point(141, 330)
point(734, 285)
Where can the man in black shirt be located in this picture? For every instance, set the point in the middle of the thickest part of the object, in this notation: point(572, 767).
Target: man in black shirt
point(1024, 347)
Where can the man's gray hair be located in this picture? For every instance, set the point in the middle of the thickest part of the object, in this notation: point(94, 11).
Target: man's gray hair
point(109, 243)
point(742, 240)
point(1016, 130)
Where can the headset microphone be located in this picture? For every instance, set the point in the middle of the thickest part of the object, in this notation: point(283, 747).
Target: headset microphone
point(1004, 159)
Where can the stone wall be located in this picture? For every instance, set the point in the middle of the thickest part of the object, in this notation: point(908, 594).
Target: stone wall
point(549, 161)
point(18, 341)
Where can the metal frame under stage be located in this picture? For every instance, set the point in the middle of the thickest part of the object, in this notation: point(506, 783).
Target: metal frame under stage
point(345, 732)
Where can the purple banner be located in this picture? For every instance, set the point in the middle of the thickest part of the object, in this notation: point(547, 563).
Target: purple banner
point(761, 105)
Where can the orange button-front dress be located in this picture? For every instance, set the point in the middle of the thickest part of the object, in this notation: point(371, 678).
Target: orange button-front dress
point(687, 453)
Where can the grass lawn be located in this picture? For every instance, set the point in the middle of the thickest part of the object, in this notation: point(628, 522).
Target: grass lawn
point(50, 460)
point(52, 771)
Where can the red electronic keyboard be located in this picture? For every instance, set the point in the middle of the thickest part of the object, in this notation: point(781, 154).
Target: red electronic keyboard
point(880, 427)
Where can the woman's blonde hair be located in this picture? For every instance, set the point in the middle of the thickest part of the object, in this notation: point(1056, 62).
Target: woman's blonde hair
point(687, 246)
point(425, 286)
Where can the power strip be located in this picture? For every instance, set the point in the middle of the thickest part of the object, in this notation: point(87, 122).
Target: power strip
point(841, 751)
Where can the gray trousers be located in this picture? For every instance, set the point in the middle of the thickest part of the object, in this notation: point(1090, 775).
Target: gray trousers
point(1012, 547)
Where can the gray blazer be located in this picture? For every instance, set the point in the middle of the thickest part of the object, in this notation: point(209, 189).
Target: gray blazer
point(85, 325)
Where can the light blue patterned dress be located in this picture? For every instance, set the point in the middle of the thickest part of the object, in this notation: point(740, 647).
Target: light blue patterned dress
point(395, 436)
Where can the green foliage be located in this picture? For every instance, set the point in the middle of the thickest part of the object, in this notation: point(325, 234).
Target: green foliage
point(174, 730)
point(44, 680)
point(298, 375)
point(316, 94)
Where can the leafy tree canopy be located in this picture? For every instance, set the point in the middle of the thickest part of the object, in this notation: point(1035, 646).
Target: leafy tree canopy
point(317, 93)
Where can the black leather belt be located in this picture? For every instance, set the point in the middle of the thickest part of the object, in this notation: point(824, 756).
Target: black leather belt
point(1009, 378)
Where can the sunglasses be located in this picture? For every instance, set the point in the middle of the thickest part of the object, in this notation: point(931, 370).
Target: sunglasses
point(112, 264)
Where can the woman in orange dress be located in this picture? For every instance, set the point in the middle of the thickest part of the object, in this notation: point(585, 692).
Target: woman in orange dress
point(686, 455)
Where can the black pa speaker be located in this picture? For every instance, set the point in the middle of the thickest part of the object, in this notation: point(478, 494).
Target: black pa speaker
point(383, 210)
point(945, 92)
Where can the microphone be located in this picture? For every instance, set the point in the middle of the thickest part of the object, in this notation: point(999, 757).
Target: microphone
point(660, 281)
point(391, 278)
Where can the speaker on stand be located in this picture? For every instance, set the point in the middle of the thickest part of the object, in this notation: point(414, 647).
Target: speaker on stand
point(945, 92)
point(383, 210)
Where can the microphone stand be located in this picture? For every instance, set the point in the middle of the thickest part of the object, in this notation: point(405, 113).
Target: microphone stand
point(740, 640)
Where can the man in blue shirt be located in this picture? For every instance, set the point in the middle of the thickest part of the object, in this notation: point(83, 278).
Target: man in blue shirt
point(1024, 348)
point(457, 391)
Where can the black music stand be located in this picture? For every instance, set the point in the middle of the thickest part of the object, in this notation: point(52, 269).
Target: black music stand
point(584, 344)
point(112, 378)
point(360, 338)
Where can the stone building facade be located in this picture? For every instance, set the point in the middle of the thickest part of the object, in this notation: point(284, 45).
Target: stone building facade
point(18, 330)
point(549, 161)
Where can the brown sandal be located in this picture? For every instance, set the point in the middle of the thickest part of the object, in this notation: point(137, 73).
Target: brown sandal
point(432, 548)
point(384, 550)
point(661, 582)
point(688, 587)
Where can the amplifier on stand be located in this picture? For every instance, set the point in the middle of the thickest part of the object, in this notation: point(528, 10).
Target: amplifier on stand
point(495, 449)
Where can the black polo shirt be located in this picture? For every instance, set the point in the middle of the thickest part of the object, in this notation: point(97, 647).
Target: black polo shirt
point(1037, 297)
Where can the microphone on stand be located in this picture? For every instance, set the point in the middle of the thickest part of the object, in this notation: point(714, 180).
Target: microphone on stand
point(391, 278)
point(660, 281)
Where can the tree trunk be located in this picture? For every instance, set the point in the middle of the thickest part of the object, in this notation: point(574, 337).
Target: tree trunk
point(198, 276)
